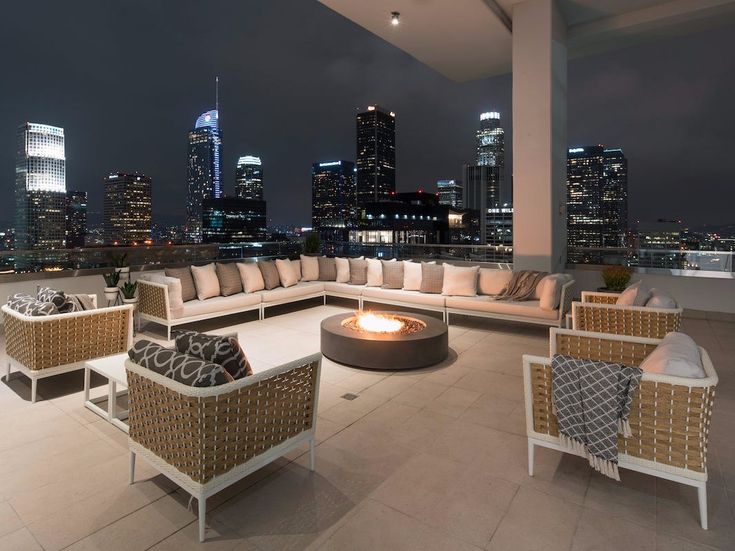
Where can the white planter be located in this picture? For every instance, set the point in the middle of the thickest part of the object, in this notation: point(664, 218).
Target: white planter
point(111, 293)
point(130, 300)
point(123, 270)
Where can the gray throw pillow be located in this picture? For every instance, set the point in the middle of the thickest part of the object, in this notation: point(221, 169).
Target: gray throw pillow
point(229, 279)
point(29, 306)
point(179, 367)
point(188, 290)
point(392, 274)
point(432, 278)
point(221, 350)
point(270, 274)
point(59, 299)
point(358, 271)
point(327, 269)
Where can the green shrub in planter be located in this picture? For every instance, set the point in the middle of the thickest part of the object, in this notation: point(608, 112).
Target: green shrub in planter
point(616, 277)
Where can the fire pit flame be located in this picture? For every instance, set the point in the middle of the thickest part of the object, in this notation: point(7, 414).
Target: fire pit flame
point(376, 323)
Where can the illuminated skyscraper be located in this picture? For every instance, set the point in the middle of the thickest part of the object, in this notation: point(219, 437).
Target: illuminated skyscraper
point(127, 209)
point(249, 178)
point(76, 218)
point(40, 187)
point(450, 193)
point(333, 209)
point(376, 154)
point(205, 152)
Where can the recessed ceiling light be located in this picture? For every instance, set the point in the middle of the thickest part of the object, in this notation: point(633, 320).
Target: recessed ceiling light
point(395, 18)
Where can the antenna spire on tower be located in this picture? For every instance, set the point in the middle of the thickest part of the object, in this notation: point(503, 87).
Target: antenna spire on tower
point(216, 93)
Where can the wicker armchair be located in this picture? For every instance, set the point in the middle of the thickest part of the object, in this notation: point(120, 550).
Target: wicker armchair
point(670, 416)
point(599, 312)
point(205, 439)
point(43, 346)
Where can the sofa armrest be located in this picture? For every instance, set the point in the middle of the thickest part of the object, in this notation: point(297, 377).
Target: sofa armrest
point(153, 300)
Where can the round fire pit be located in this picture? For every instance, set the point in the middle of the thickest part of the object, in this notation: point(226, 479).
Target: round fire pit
point(384, 340)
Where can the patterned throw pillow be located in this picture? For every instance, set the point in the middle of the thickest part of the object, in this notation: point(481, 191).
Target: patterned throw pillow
point(179, 367)
point(29, 306)
point(224, 351)
point(358, 271)
point(432, 277)
point(392, 274)
point(59, 299)
point(188, 290)
point(327, 269)
point(270, 274)
point(229, 279)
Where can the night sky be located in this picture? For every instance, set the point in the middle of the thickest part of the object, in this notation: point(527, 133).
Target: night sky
point(126, 80)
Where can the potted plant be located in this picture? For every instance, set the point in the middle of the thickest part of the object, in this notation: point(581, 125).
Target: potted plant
point(312, 243)
point(128, 291)
point(616, 278)
point(111, 281)
point(120, 262)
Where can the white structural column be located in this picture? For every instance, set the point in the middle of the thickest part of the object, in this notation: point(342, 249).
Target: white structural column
point(539, 136)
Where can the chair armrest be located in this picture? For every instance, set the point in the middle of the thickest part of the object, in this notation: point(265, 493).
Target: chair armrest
point(600, 297)
point(153, 300)
point(641, 321)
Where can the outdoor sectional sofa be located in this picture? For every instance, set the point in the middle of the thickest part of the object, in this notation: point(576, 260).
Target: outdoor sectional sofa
point(155, 302)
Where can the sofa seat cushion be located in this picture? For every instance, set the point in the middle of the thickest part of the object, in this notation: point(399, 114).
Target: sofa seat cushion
point(219, 305)
point(302, 289)
point(343, 288)
point(525, 308)
point(399, 295)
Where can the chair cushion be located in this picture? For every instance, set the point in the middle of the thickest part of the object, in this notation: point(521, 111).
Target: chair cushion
point(400, 295)
point(678, 355)
point(296, 292)
point(309, 268)
point(343, 269)
point(59, 299)
point(636, 294)
point(221, 305)
point(525, 308)
point(358, 271)
point(205, 281)
point(251, 276)
point(229, 279)
point(222, 350)
point(175, 300)
point(392, 274)
point(29, 306)
point(270, 274)
point(661, 299)
point(286, 273)
point(327, 268)
point(344, 288)
point(460, 280)
point(374, 272)
point(188, 290)
point(492, 282)
point(179, 367)
point(432, 277)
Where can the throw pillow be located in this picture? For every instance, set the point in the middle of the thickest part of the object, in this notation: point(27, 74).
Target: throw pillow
point(179, 367)
point(460, 281)
point(327, 269)
point(205, 281)
point(661, 299)
point(358, 271)
point(270, 274)
point(296, 265)
point(549, 290)
point(59, 299)
point(392, 274)
point(343, 269)
point(492, 282)
point(188, 290)
point(175, 299)
point(309, 268)
point(29, 306)
point(285, 273)
point(678, 355)
point(374, 272)
point(432, 277)
point(636, 294)
point(222, 350)
point(251, 276)
point(411, 276)
point(229, 279)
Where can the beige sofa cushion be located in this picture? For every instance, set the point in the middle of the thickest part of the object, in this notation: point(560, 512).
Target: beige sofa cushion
point(220, 305)
point(343, 269)
point(229, 279)
point(358, 271)
point(411, 276)
point(188, 290)
point(392, 274)
point(399, 295)
point(296, 265)
point(286, 274)
point(661, 299)
point(304, 288)
point(432, 277)
point(309, 268)
point(636, 294)
point(343, 288)
point(175, 300)
point(374, 272)
point(525, 308)
point(327, 268)
point(677, 355)
point(460, 280)
point(492, 282)
point(252, 278)
point(270, 274)
point(205, 281)
point(548, 290)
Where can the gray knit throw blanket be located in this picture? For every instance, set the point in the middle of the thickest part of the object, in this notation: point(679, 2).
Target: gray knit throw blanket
point(592, 401)
point(521, 286)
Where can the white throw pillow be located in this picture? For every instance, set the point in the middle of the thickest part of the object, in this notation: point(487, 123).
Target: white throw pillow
point(309, 268)
point(175, 302)
point(374, 272)
point(252, 277)
point(550, 291)
point(205, 281)
point(676, 355)
point(492, 282)
point(286, 273)
point(412, 275)
point(637, 294)
point(296, 265)
point(661, 299)
point(460, 281)
point(343, 270)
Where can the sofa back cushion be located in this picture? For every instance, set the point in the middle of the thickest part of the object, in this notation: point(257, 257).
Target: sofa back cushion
point(493, 282)
point(411, 276)
point(251, 276)
point(636, 294)
point(205, 281)
point(309, 268)
point(678, 355)
point(392, 274)
point(460, 281)
point(179, 367)
point(661, 299)
point(374, 272)
point(188, 290)
point(218, 349)
point(230, 282)
point(343, 269)
point(432, 277)
point(59, 299)
point(286, 275)
point(296, 265)
point(358, 271)
point(270, 274)
point(175, 299)
point(548, 290)
point(327, 269)
point(30, 306)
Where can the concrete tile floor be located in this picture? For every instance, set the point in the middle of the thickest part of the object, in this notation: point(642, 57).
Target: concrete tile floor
point(427, 459)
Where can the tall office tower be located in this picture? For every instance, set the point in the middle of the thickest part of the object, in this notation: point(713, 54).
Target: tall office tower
point(249, 178)
point(233, 220)
point(597, 200)
point(491, 149)
point(333, 209)
point(76, 218)
point(127, 209)
point(205, 152)
point(481, 193)
point(376, 154)
point(450, 193)
point(40, 187)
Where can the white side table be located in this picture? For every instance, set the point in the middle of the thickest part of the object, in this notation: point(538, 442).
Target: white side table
point(112, 368)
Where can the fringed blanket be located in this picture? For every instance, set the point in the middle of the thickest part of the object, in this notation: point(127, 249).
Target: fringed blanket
point(521, 286)
point(592, 401)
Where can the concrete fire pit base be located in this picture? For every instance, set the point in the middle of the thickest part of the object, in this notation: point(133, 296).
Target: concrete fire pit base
point(385, 350)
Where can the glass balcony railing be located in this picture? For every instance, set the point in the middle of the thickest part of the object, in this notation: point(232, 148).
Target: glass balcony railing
point(470, 253)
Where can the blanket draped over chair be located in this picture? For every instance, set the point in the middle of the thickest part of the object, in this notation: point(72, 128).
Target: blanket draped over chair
point(522, 285)
point(592, 402)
